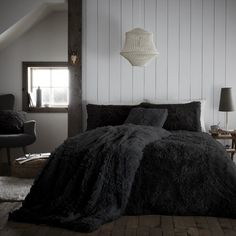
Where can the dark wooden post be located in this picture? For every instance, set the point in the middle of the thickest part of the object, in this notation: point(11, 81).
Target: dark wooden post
point(75, 50)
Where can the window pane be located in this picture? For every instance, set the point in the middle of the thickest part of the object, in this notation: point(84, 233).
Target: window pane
point(60, 96)
point(45, 96)
point(60, 78)
point(41, 77)
point(33, 96)
point(54, 84)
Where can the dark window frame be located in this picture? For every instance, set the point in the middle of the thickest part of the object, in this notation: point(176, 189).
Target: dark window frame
point(25, 98)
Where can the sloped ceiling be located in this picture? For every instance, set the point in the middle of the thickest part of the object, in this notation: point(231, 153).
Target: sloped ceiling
point(28, 20)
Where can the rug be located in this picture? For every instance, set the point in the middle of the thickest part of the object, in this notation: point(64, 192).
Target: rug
point(14, 189)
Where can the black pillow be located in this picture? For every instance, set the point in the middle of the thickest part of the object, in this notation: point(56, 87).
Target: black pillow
point(147, 116)
point(180, 116)
point(11, 122)
point(104, 115)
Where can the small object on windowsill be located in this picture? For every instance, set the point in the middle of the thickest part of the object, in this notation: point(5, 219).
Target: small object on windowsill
point(38, 97)
point(46, 105)
point(30, 100)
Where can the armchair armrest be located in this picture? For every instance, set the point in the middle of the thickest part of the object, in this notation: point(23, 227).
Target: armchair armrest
point(30, 127)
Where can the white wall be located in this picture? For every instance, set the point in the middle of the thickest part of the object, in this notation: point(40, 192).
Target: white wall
point(195, 38)
point(47, 41)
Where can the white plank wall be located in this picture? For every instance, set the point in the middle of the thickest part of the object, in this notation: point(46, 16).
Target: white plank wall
point(126, 70)
point(162, 60)
point(195, 38)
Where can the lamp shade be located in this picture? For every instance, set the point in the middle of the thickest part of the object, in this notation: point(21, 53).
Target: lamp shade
point(226, 100)
point(139, 47)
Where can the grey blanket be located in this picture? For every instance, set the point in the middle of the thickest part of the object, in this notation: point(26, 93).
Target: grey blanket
point(99, 175)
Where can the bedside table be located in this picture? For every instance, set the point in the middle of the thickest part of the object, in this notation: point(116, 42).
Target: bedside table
point(230, 135)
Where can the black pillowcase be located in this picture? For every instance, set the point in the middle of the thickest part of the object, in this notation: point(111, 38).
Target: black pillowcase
point(180, 116)
point(104, 115)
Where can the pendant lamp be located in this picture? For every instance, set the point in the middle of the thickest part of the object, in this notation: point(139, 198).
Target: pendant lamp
point(139, 47)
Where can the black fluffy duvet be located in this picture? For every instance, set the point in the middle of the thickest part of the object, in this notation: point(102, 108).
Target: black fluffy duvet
point(101, 174)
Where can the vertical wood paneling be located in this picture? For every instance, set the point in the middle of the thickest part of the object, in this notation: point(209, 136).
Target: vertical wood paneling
point(231, 54)
point(161, 40)
point(219, 61)
point(103, 51)
point(184, 53)
point(91, 52)
point(150, 25)
point(196, 41)
point(126, 69)
point(115, 47)
point(208, 58)
point(196, 49)
point(138, 72)
point(173, 49)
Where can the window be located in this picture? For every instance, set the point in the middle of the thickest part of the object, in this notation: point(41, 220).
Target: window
point(48, 80)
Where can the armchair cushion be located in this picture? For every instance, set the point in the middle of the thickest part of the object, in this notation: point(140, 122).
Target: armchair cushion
point(20, 140)
point(16, 140)
point(11, 122)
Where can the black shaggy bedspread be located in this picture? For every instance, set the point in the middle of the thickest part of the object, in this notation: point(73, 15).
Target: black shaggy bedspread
point(99, 175)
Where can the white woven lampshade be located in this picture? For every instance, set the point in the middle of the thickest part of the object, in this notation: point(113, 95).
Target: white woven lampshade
point(139, 47)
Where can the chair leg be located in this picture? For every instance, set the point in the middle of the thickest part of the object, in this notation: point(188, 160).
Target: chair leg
point(8, 156)
point(24, 150)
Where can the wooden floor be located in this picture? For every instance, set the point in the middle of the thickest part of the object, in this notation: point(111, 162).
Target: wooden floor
point(126, 226)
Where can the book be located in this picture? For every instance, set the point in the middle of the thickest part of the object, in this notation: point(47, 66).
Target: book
point(31, 157)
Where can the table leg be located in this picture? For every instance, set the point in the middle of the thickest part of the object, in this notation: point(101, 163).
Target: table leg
point(233, 146)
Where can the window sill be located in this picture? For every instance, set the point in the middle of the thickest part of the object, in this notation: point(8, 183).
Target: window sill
point(47, 110)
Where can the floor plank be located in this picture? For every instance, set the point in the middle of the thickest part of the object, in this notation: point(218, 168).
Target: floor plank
point(184, 222)
point(233, 223)
point(118, 232)
point(145, 225)
point(204, 232)
point(149, 220)
point(201, 222)
point(132, 222)
point(143, 231)
point(131, 232)
point(5, 208)
point(224, 223)
point(108, 227)
point(121, 223)
point(229, 232)
point(167, 226)
point(214, 226)
point(31, 230)
point(155, 232)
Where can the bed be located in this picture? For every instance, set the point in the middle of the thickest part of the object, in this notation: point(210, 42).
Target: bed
point(133, 160)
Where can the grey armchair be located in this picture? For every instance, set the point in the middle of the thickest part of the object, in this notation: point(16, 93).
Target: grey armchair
point(27, 137)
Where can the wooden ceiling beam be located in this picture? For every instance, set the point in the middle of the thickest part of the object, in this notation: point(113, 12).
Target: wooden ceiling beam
point(75, 53)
